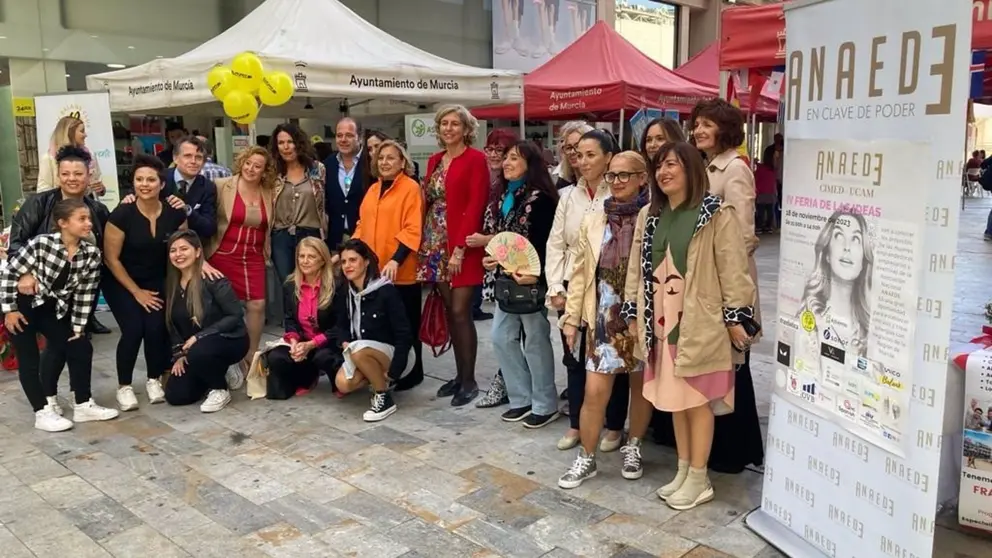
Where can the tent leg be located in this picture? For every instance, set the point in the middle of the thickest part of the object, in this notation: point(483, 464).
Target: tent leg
point(622, 120)
point(523, 127)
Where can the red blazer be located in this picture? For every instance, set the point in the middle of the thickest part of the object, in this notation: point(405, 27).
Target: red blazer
point(466, 191)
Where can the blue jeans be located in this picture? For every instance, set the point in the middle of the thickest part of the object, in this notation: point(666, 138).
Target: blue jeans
point(528, 365)
point(284, 250)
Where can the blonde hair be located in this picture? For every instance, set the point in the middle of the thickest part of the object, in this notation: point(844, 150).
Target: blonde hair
point(326, 274)
point(567, 129)
point(407, 162)
point(469, 122)
point(63, 133)
point(640, 165)
point(270, 175)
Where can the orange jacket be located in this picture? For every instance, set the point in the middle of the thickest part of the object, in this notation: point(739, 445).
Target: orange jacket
point(385, 221)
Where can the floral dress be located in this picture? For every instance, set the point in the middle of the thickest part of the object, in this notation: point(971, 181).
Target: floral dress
point(432, 266)
point(612, 344)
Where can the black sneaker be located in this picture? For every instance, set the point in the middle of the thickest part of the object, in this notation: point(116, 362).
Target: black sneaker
point(537, 421)
point(481, 316)
point(514, 415)
point(381, 407)
point(564, 395)
point(448, 388)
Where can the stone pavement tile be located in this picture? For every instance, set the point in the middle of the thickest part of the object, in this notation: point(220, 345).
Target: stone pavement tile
point(559, 552)
point(13, 548)
point(964, 544)
point(143, 541)
point(66, 492)
point(254, 486)
point(434, 541)
point(450, 457)
point(703, 551)
point(317, 486)
point(281, 437)
point(306, 515)
point(27, 516)
point(66, 542)
point(101, 518)
point(15, 449)
point(286, 541)
point(36, 467)
point(642, 537)
point(177, 444)
point(390, 438)
point(501, 539)
point(140, 426)
point(511, 513)
point(442, 483)
point(356, 540)
point(212, 463)
point(427, 431)
point(698, 523)
point(270, 462)
point(436, 509)
point(319, 455)
point(218, 502)
point(128, 488)
point(560, 504)
point(213, 541)
point(444, 416)
point(631, 552)
point(226, 440)
point(734, 539)
point(646, 509)
point(168, 515)
point(370, 510)
point(541, 469)
point(512, 486)
point(381, 482)
point(578, 538)
point(342, 442)
point(772, 552)
point(97, 466)
point(61, 446)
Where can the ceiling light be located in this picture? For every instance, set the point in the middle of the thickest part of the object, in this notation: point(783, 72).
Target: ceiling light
point(2, 37)
point(116, 66)
point(67, 75)
point(159, 56)
point(45, 50)
point(94, 36)
point(130, 47)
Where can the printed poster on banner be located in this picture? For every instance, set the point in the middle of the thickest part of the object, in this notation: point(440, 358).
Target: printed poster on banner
point(975, 504)
point(526, 34)
point(421, 137)
point(851, 253)
point(93, 111)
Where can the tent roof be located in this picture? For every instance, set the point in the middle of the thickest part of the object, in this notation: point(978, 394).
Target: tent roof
point(330, 51)
point(704, 67)
point(601, 72)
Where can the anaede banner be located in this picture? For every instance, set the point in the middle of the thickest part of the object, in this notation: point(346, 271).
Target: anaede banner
point(862, 439)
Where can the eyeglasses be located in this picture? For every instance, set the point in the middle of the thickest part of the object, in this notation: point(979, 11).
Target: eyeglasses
point(570, 147)
point(621, 177)
point(495, 150)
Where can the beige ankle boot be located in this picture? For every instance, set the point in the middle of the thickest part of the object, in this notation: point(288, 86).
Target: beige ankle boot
point(694, 491)
point(666, 491)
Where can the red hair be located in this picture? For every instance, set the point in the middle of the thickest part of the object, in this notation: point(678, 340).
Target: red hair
point(504, 137)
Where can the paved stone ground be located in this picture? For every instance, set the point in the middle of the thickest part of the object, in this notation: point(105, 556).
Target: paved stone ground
point(307, 477)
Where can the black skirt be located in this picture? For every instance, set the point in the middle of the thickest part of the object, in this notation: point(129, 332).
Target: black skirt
point(737, 440)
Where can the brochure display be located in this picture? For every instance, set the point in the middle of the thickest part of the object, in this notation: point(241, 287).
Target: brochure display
point(975, 505)
point(861, 448)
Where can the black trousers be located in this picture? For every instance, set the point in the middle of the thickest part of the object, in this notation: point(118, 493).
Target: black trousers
point(616, 409)
point(286, 375)
point(138, 327)
point(207, 362)
point(39, 379)
point(412, 297)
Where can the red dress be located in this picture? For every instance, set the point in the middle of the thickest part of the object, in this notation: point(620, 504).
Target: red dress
point(241, 254)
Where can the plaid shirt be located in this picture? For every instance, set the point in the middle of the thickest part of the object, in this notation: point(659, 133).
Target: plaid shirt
point(213, 171)
point(44, 256)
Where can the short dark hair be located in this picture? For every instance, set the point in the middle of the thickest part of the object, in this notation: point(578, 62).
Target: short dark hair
point(979, 409)
point(64, 209)
point(144, 160)
point(605, 139)
point(304, 149)
point(194, 141)
point(975, 153)
point(697, 183)
point(73, 153)
point(173, 126)
point(729, 121)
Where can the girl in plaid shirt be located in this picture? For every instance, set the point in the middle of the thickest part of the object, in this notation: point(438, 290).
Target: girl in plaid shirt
point(67, 274)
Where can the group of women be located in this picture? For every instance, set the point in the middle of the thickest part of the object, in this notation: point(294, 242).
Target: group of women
point(647, 259)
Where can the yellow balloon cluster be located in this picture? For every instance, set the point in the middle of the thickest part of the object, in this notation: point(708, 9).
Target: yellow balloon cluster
point(238, 85)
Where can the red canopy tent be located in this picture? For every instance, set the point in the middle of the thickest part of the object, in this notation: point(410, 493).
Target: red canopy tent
point(596, 76)
point(704, 67)
point(754, 36)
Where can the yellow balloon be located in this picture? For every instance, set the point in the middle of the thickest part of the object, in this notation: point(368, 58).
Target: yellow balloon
point(247, 71)
point(276, 89)
point(241, 107)
point(220, 81)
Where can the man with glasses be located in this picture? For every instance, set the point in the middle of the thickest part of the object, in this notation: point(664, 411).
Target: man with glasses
point(347, 180)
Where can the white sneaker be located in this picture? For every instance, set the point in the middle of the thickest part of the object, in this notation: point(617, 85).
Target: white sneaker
point(90, 411)
point(502, 47)
point(217, 399)
point(49, 421)
point(153, 387)
point(235, 379)
point(53, 404)
point(126, 400)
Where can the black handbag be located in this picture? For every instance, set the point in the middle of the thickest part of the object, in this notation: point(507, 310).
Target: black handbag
point(751, 327)
point(514, 298)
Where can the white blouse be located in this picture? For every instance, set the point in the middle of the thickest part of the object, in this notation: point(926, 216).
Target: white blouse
point(574, 204)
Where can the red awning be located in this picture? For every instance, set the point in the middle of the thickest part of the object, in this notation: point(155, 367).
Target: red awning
point(754, 36)
point(599, 74)
point(704, 67)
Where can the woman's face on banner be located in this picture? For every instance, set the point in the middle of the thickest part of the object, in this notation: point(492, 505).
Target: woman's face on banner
point(79, 137)
point(846, 248)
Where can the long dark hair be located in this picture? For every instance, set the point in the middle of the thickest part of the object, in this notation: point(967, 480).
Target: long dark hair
point(194, 290)
point(357, 246)
point(669, 127)
point(536, 177)
point(697, 183)
point(304, 149)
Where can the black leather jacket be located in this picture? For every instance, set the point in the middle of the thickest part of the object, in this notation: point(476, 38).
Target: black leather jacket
point(223, 314)
point(35, 217)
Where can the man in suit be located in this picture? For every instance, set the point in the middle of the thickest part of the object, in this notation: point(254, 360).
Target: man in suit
point(187, 189)
point(347, 180)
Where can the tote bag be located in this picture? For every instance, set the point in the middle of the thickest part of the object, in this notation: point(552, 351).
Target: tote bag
point(434, 324)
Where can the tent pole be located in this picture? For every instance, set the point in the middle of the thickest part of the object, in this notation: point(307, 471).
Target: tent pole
point(523, 131)
point(622, 109)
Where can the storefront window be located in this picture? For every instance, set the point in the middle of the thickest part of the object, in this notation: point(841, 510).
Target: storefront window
point(652, 26)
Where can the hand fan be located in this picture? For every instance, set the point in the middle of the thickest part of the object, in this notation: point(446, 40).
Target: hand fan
point(514, 253)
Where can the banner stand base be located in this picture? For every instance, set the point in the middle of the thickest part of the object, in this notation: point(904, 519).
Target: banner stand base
point(779, 536)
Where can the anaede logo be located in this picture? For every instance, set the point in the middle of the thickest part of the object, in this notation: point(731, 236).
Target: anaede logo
point(892, 68)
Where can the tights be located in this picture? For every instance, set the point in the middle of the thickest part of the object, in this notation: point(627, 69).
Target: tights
point(464, 339)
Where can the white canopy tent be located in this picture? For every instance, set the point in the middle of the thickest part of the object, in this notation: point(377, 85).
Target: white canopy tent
point(337, 60)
